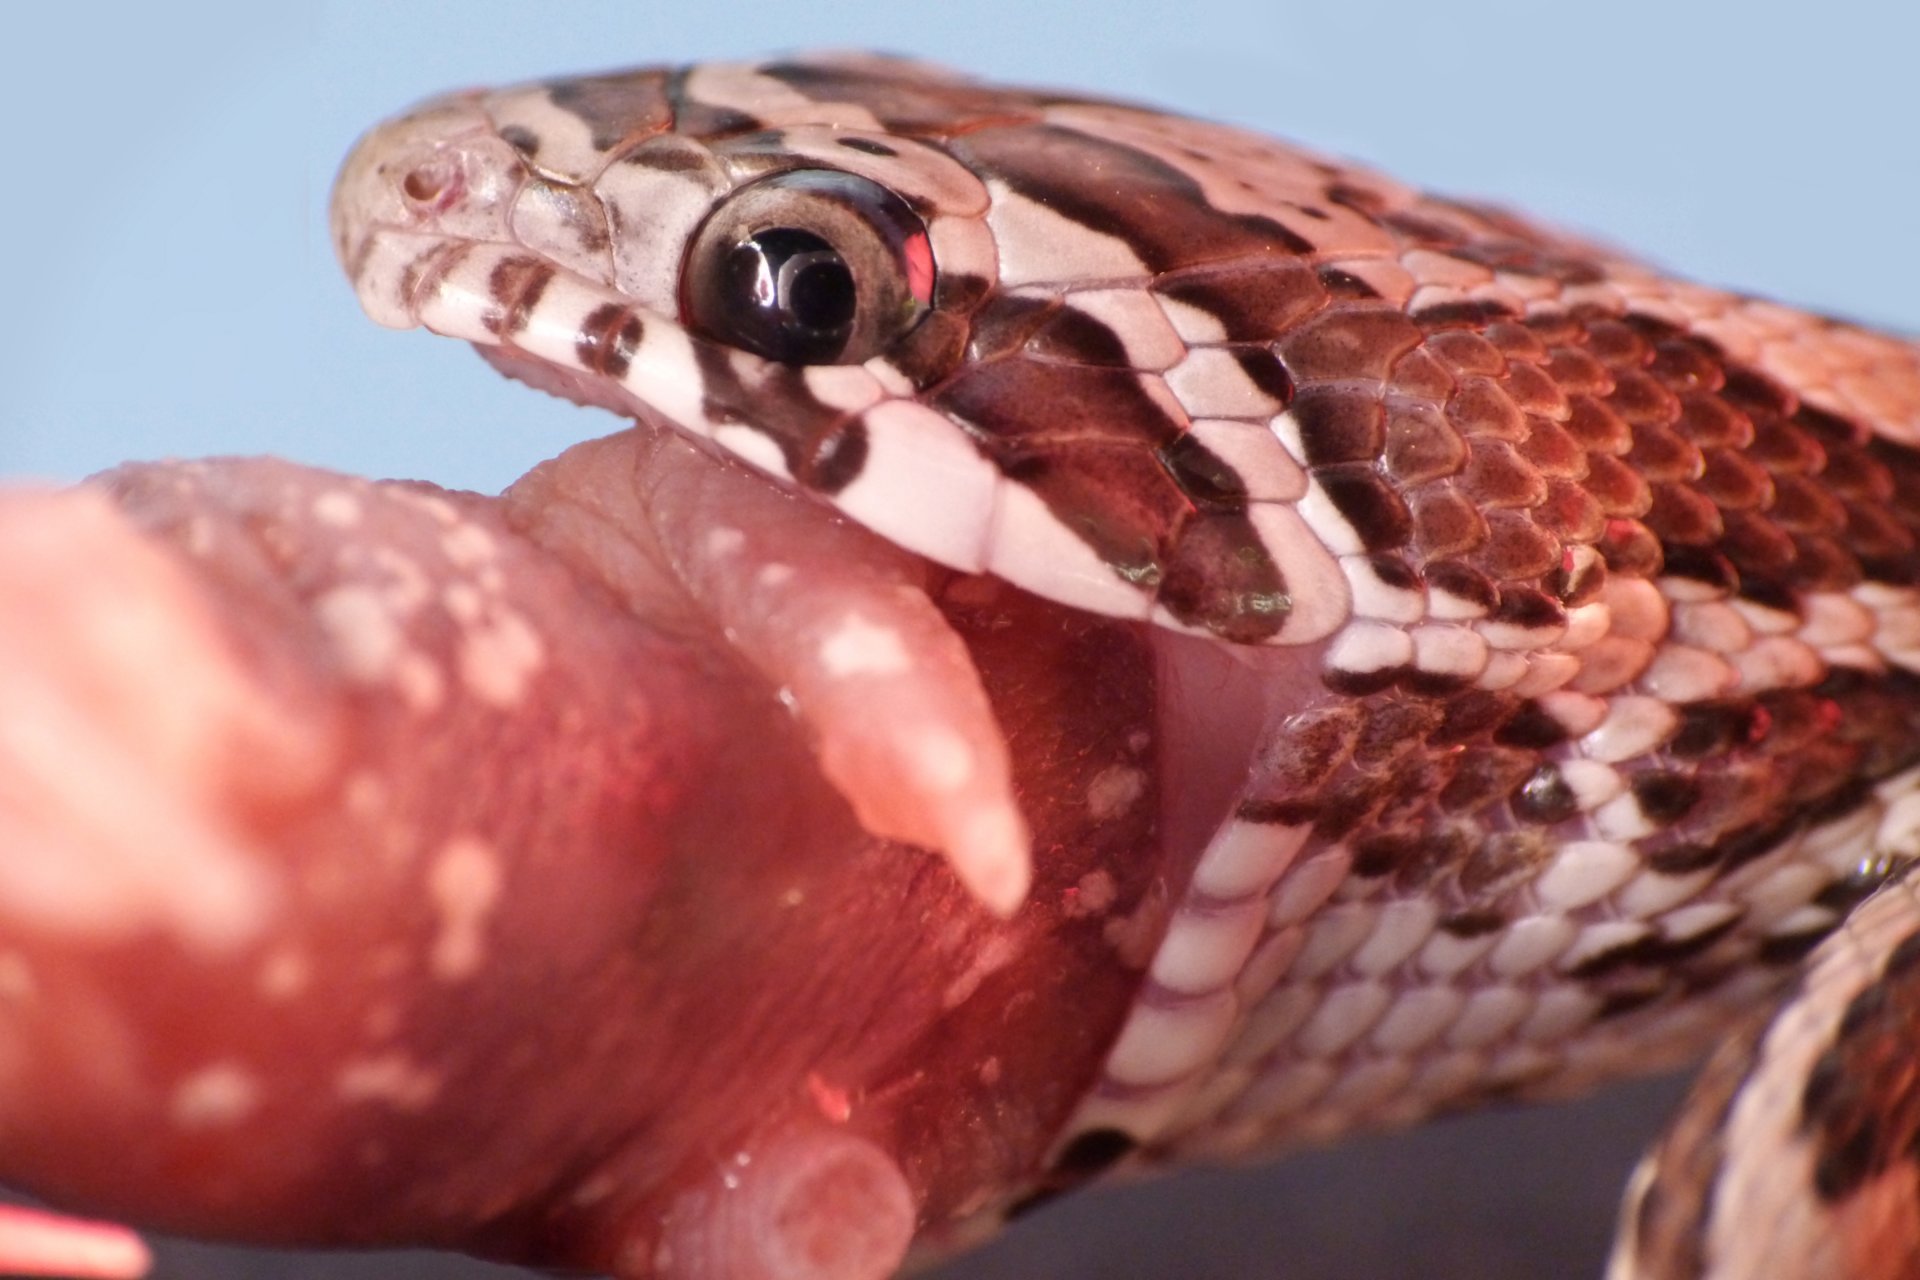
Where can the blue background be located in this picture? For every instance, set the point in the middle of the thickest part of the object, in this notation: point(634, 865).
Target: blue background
point(167, 289)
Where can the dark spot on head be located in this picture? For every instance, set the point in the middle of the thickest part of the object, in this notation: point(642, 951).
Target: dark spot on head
point(521, 139)
point(515, 285)
point(837, 458)
point(608, 338)
point(866, 146)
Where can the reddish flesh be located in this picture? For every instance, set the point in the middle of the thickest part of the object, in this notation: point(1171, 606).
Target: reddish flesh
point(693, 942)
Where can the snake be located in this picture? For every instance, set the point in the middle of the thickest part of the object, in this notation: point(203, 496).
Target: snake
point(1521, 685)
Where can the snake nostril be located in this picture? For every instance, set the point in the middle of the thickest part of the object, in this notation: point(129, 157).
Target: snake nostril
point(433, 183)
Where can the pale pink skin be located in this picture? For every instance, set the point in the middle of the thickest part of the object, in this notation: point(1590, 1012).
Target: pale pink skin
point(384, 865)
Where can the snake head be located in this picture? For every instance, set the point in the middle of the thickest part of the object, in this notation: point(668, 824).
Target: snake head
point(987, 324)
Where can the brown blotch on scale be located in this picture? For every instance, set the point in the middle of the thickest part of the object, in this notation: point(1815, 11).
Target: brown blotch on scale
point(1757, 547)
point(1552, 449)
point(835, 459)
point(1254, 302)
point(1161, 212)
point(1470, 313)
point(1463, 582)
point(1525, 258)
point(1680, 516)
point(1349, 803)
point(1498, 477)
point(1630, 549)
point(1265, 372)
point(1353, 342)
point(1419, 374)
point(521, 139)
point(1570, 513)
point(1373, 507)
point(1685, 364)
point(1544, 797)
point(1661, 455)
point(1581, 575)
point(1419, 445)
point(514, 287)
point(1697, 564)
point(1475, 922)
point(608, 338)
point(1597, 428)
point(1446, 523)
point(1516, 547)
point(1344, 286)
point(1308, 749)
point(1802, 505)
point(1619, 490)
point(1482, 408)
point(1578, 372)
point(1536, 393)
point(1203, 475)
point(1394, 728)
point(1220, 576)
point(1466, 352)
point(1338, 425)
point(1683, 859)
point(1072, 336)
point(1472, 715)
point(1861, 1102)
point(1504, 861)
point(1381, 853)
point(1782, 449)
point(1735, 483)
point(618, 108)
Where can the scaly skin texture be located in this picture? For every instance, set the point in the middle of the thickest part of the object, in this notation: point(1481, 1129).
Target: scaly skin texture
point(1336, 654)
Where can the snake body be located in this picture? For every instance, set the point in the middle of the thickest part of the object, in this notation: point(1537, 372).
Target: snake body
point(1527, 640)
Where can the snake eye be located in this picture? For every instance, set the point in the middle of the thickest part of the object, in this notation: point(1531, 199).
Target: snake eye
point(812, 266)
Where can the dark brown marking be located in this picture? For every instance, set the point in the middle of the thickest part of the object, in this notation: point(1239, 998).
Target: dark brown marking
point(514, 286)
point(1220, 576)
point(1266, 372)
point(1072, 336)
point(1545, 798)
point(608, 338)
point(1373, 507)
point(907, 100)
point(1352, 342)
point(1337, 425)
point(521, 139)
point(1159, 211)
point(1477, 923)
point(1861, 1103)
point(1203, 475)
point(1469, 314)
point(1254, 302)
point(617, 108)
point(700, 120)
point(1531, 727)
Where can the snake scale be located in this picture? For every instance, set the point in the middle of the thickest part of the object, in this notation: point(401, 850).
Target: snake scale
point(1387, 655)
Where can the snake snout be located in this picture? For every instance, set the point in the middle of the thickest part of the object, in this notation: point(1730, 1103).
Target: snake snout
point(410, 190)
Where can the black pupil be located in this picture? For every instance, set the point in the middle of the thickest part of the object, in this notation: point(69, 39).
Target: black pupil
point(792, 295)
